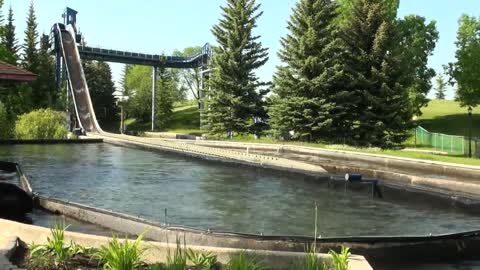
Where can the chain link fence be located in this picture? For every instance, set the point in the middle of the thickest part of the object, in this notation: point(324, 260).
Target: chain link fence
point(446, 143)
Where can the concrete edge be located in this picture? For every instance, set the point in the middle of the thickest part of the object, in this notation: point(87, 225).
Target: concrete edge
point(266, 162)
point(157, 251)
point(52, 141)
point(243, 145)
point(434, 167)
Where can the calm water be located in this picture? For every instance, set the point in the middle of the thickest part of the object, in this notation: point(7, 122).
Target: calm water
point(205, 195)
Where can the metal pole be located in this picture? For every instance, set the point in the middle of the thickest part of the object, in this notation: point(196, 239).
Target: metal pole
point(122, 120)
point(442, 141)
point(154, 87)
point(470, 132)
point(416, 131)
point(451, 144)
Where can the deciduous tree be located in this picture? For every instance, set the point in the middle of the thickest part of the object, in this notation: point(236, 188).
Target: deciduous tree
point(191, 79)
point(465, 71)
point(416, 41)
point(139, 85)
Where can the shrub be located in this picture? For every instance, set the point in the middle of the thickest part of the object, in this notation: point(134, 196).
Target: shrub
point(5, 125)
point(41, 124)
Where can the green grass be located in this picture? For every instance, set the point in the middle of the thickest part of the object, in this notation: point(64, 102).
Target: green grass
point(185, 120)
point(446, 116)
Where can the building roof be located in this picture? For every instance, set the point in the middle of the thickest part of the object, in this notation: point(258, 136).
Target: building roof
point(12, 73)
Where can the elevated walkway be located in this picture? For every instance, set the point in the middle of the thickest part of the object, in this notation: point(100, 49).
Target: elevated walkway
point(154, 60)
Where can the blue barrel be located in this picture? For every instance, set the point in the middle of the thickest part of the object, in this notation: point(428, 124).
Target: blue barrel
point(353, 177)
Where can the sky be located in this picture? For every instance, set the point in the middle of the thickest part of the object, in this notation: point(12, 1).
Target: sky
point(161, 26)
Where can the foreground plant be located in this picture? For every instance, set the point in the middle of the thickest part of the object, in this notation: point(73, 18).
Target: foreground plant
point(310, 261)
point(56, 249)
point(341, 261)
point(244, 262)
point(203, 261)
point(126, 255)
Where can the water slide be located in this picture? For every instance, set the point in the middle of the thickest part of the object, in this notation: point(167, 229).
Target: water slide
point(77, 81)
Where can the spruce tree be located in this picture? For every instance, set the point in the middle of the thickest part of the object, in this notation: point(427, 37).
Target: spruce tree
point(5, 55)
point(2, 21)
point(30, 52)
point(164, 98)
point(235, 97)
point(441, 87)
point(313, 94)
point(385, 111)
point(9, 41)
point(44, 86)
point(123, 80)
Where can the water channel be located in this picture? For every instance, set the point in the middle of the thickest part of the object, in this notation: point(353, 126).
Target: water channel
point(210, 195)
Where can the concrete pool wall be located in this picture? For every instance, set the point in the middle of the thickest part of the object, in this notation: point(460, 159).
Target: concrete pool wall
point(454, 178)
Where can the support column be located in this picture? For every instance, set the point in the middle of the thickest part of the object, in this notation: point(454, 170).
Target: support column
point(200, 96)
point(154, 87)
point(205, 76)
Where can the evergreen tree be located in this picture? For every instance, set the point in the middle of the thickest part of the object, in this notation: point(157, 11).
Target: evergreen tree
point(441, 87)
point(390, 8)
point(123, 79)
point(235, 99)
point(385, 111)
point(101, 86)
point(2, 21)
point(313, 94)
point(44, 86)
point(9, 40)
point(30, 52)
point(166, 89)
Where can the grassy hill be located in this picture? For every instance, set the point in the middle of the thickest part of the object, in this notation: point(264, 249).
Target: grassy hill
point(446, 116)
point(185, 120)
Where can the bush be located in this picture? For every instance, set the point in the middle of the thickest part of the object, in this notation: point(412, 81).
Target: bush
point(5, 125)
point(41, 124)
